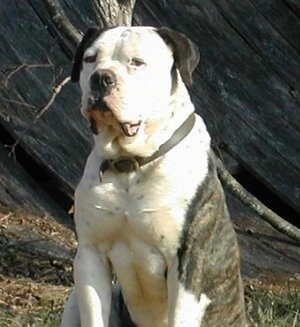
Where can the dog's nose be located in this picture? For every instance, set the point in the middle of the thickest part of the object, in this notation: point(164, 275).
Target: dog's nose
point(102, 81)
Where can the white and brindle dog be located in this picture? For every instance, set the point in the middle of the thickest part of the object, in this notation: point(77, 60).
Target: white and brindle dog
point(149, 209)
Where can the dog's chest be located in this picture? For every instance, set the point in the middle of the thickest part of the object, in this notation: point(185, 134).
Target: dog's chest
point(132, 208)
point(136, 221)
point(148, 205)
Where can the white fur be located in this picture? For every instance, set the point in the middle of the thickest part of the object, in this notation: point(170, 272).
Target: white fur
point(125, 221)
point(185, 310)
point(139, 98)
point(131, 222)
point(189, 311)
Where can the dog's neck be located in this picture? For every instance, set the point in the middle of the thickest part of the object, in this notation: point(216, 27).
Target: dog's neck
point(130, 164)
point(110, 145)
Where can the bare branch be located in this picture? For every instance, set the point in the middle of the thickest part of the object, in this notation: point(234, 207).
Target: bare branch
point(62, 22)
point(12, 152)
point(107, 13)
point(56, 91)
point(5, 81)
point(253, 203)
point(20, 103)
point(14, 71)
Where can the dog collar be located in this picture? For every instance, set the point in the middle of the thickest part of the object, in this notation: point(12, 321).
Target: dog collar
point(130, 164)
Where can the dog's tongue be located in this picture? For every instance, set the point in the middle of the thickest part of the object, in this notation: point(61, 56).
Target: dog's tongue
point(130, 129)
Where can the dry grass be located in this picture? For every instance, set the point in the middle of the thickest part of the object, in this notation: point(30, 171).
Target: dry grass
point(268, 309)
point(48, 318)
point(264, 308)
point(33, 288)
point(26, 303)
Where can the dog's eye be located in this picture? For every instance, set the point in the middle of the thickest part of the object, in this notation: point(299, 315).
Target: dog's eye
point(90, 59)
point(136, 62)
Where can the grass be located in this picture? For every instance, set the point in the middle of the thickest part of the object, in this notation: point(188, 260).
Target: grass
point(264, 309)
point(268, 309)
point(33, 289)
point(47, 318)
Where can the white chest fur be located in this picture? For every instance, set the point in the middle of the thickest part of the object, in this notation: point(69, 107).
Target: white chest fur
point(148, 204)
point(136, 219)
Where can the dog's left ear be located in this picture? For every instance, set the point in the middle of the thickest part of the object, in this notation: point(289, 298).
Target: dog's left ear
point(186, 53)
point(88, 38)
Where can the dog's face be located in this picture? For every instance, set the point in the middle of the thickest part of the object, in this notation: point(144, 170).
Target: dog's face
point(127, 76)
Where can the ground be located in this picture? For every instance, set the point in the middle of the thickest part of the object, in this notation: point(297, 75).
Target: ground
point(36, 277)
point(35, 266)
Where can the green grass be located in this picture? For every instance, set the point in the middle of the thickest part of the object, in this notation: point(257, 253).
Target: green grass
point(264, 309)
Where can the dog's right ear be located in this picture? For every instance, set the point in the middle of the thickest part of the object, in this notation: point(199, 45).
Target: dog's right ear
point(88, 38)
point(185, 52)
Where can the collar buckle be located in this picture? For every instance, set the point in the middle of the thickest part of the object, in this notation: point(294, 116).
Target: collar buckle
point(124, 165)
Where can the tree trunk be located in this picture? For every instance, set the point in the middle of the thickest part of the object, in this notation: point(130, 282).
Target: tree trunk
point(113, 12)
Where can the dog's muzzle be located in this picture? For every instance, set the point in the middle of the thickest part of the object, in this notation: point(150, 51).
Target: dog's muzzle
point(101, 83)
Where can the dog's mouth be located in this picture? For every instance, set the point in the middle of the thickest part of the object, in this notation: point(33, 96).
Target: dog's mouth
point(102, 115)
point(130, 128)
point(105, 114)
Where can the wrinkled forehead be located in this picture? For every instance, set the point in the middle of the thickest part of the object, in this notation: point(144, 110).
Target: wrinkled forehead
point(143, 40)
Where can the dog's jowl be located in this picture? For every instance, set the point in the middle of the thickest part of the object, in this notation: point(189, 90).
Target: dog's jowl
point(149, 209)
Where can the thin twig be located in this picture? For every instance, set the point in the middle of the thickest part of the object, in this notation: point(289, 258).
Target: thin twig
point(56, 91)
point(253, 203)
point(5, 83)
point(15, 70)
point(12, 148)
point(20, 103)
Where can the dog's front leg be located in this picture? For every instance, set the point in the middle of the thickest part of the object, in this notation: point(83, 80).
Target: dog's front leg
point(186, 309)
point(92, 278)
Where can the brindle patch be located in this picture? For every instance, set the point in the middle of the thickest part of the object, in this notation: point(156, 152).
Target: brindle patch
point(208, 257)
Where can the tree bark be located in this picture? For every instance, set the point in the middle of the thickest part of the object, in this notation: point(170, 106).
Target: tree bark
point(107, 13)
point(113, 12)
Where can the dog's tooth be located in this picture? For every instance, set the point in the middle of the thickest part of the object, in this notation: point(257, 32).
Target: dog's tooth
point(130, 129)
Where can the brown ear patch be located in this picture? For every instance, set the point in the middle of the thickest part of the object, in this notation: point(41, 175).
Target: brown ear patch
point(186, 53)
point(89, 37)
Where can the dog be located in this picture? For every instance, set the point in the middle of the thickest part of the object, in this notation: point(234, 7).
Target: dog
point(150, 211)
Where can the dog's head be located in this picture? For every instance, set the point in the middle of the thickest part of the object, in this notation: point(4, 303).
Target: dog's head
point(128, 74)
